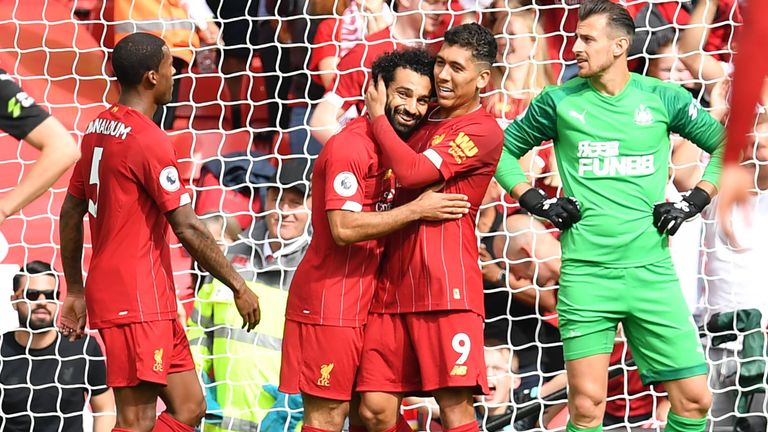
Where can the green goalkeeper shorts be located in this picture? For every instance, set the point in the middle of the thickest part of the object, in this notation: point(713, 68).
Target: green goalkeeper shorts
point(649, 303)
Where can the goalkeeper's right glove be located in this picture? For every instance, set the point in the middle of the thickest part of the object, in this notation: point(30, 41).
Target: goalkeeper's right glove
point(562, 212)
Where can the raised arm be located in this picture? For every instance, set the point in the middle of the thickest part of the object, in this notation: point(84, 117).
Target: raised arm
point(203, 247)
point(702, 65)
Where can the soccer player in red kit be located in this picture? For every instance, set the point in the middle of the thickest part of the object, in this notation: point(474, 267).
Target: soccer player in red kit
point(425, 331)
point(331, 291)
point(128, 184)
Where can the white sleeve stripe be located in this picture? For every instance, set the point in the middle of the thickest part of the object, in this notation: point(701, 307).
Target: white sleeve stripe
point(434, 157)
point(334, 99)
point(352, 206)
point(184, 199)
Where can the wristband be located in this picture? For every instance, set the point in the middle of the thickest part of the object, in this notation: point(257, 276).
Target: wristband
point(699, 198)
point(531, 198)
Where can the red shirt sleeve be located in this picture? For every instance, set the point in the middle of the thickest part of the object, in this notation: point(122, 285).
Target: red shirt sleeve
point(154, 167)
point(345, 172)
point(466, 147)
point(76, 183)
point(325, 43)
point(352, 77)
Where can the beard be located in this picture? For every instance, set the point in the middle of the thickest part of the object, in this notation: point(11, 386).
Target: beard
point(402, 130)
point(26, 321)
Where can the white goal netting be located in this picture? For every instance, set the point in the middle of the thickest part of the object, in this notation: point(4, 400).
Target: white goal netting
point(255, 108)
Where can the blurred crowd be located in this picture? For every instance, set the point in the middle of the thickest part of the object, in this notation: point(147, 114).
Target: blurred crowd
point(307, 63)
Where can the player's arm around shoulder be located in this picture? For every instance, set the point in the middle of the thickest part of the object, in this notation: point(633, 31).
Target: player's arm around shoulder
point(347, 173)
point(348, 227)
point(199, 242)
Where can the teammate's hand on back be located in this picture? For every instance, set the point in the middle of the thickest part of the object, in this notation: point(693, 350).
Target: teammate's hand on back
point(247, 303)
point(435, 206)
point(562, 212)
point(73, 317)
point(668, 216)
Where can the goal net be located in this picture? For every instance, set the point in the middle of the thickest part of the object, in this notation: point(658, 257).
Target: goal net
point(247, 119)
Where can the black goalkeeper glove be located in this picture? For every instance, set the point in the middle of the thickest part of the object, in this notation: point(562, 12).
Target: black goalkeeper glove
point(562, 212)
point(668, 216)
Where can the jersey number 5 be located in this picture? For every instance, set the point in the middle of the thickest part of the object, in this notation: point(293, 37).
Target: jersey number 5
point(92, 204)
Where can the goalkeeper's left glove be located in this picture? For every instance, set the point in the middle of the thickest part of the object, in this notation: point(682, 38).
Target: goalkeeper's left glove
point(668, 216)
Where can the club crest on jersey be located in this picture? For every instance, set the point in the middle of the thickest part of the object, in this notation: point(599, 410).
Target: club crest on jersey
point(158, 367)
point(325, 375)
point(169, 179)
point(462, 148)
point(643, 116)
point(437, 139)
point(459, 370)
point(345, 184)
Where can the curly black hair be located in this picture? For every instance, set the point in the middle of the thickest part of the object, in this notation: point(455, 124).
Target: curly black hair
point(474, 37)
point(416, 59)
point(136, 55)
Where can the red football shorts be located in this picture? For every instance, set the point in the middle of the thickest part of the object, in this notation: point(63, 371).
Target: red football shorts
point(423, 351)
point(145, 351)
point(320, 360)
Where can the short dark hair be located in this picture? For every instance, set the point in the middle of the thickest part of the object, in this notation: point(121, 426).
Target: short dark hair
point(136, 55)
point(476, 38)
point(33, 268)
point(418, 60)
point(617, 15)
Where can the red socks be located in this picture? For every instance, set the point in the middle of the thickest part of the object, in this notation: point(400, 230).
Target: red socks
point(166, 423)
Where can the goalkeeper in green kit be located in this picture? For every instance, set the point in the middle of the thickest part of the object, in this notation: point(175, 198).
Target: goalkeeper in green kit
point(611, 133)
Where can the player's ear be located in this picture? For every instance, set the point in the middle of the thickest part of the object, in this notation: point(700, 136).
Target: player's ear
point(152, 76)
point(483, 78)
point(620, 46)
point(14, 302)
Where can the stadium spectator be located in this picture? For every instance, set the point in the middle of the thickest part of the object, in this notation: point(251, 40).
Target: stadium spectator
point(24, 119)
point(337, 35)
point(522, 69)
point(622, 241)
point(131, 298)
point(333, 39)
point(45, 379)
point(353, 193)
point(344, 101)
point(734, 280)
point(693, 46)
point(183, 24)
point(240, 364)
point(501, 365)
point(458, 147)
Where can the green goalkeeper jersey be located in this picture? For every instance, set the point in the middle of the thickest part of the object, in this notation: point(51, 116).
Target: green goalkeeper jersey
point(613, 156)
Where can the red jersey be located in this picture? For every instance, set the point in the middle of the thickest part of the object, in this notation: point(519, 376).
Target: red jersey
point(355, 67)
point(334, 284)
point(430, 266)
point(129, 177)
